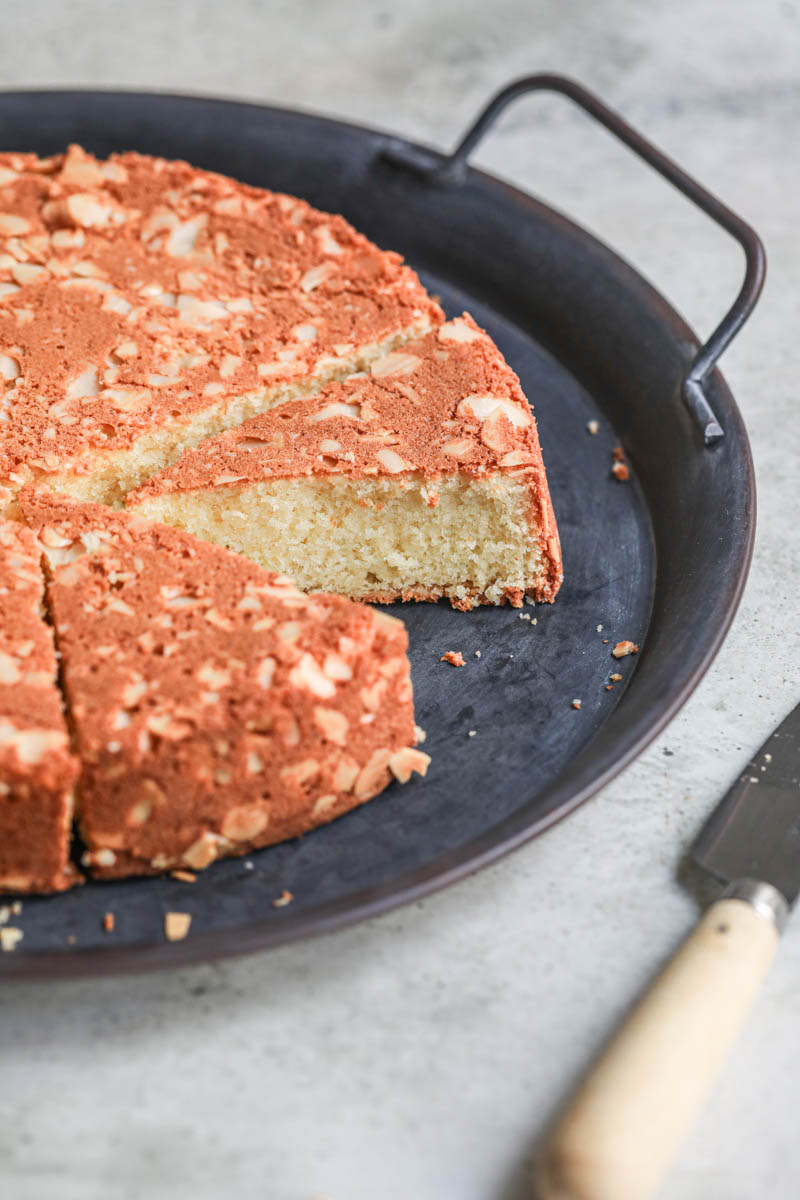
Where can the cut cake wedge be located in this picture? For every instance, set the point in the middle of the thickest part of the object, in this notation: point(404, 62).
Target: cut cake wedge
point(147, 304)
point(37, 769)
point(215, 708)
point(420, 479)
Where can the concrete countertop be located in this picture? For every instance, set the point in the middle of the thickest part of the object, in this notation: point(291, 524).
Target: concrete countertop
point(419, 1056)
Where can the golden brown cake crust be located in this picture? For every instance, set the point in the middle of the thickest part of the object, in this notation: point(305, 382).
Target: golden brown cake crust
point(443, 404)
point(37, 770)
point(215, 708)
point(137, 292)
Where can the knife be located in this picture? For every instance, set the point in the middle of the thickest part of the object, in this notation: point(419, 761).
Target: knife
point(620, 1130)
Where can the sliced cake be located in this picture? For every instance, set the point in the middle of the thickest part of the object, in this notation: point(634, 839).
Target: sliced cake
point(418, 479)
point(215, 708)
point(145, 304)
point(37, 770)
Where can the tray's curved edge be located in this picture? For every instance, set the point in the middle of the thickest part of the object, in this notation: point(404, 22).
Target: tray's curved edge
point(585, 778)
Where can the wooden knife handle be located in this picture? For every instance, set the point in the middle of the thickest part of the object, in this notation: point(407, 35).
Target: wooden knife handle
point(619, 1132)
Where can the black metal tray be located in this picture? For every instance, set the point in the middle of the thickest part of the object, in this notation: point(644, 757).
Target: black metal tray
point(660, 560)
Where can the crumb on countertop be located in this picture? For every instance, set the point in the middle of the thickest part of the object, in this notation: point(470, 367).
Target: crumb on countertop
point(615, 678)
point(593, 427)
point(623, 649)
point(108, 922)
point(477, 653)
point(576, 704)
point(286, 897)
point(472, 733)
point(454, 657)
point(184, 876)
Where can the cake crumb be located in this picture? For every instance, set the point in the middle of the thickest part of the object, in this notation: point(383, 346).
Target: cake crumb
point(620, 471)
point(10, 937)
point(593, 427)
point(420, 734)
point(524, 616)
point(108, 922)
point(576, 704)
point(16, 907)
point(285, 898)
point(184, 876)
point(599, 628)
point(623, 649)
point(606, 641)
point(478, 653)
point(454, 657)
point(609, 687)
point(616, 677)
point(249, 866)
point(472, 733)
point(767, 758)
point(5, 914)
point(176, 925)
point(618, 454)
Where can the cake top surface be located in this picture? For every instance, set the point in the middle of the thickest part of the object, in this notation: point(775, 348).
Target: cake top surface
point(33, 736)
point(135, 291)
point(169, 639)
point(445, 402)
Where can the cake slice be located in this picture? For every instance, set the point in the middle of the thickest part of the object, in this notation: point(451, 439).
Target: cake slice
point(419, 479)
point(37, 770)
point(146, 304)
point(215, 708)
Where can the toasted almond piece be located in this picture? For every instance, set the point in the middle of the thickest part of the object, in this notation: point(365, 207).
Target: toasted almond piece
point(406, 760)
point(176, 925)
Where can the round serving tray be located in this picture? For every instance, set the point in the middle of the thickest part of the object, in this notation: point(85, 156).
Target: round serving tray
point(660, 560)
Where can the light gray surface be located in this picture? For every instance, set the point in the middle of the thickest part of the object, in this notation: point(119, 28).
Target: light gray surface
point(419, 1056)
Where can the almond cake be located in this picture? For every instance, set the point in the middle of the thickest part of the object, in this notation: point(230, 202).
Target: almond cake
point(214, 707)
point(418, 479)
point(37, 769)
point(245, 405)
point(146, 304)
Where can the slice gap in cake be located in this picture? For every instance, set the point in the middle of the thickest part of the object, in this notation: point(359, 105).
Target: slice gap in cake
point(215, 708)
point(37, 769)
point(146, 305)
point(420, 479)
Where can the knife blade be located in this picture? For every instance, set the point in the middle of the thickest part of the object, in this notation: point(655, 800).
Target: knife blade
point(754, 832)
point(619, 1132)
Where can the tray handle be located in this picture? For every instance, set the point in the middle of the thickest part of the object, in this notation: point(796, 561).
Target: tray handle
point(452, 170)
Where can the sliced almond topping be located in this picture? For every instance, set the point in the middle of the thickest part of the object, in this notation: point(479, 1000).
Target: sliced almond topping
point(481, 407)
point(245, 823)
point(308, 675)
point(372, 776)
point(392, 462)
point(13, 226)
point(202, 852)
point(345, 774)
point(316, 276)
point(23, 273)
point(404, 761)
point(332, 724)
point(396, 363)
point(458, 331)
point(9, 367)
point(336, 409)
point(460, 449)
